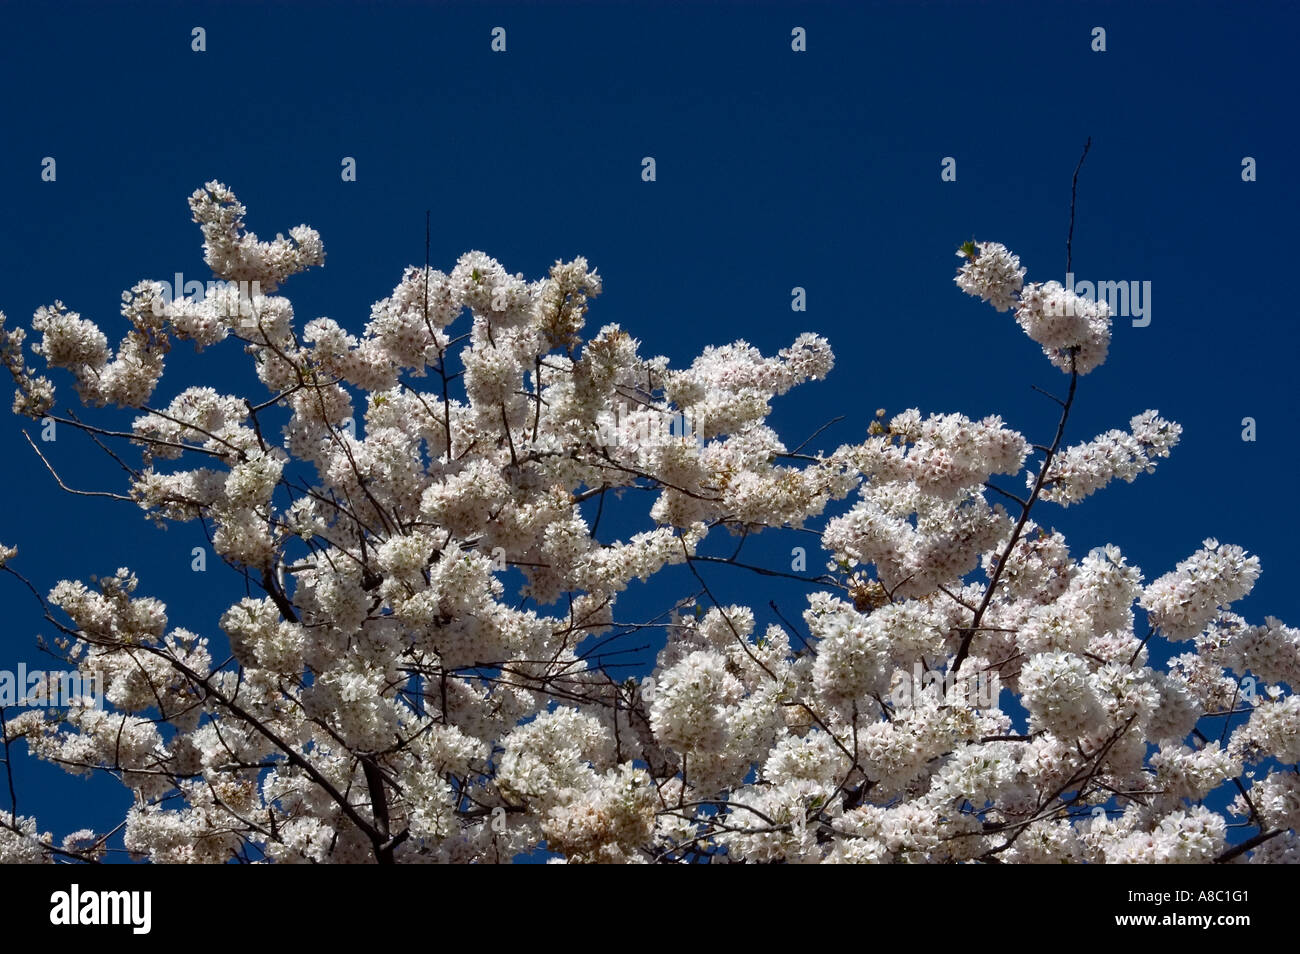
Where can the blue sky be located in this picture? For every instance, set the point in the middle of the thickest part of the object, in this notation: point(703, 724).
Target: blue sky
point(818, 169)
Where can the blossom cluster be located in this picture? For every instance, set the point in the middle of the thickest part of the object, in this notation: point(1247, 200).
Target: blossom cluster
point(412, 668)
point(1074, 331)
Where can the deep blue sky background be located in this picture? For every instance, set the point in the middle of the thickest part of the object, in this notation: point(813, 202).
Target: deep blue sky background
point(775, 169)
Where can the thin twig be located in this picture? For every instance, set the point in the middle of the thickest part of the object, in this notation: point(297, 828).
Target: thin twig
point(1074, 191)
point(63, 486)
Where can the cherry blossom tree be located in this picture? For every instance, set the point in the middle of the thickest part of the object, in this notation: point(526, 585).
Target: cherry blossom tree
point(424, 674)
